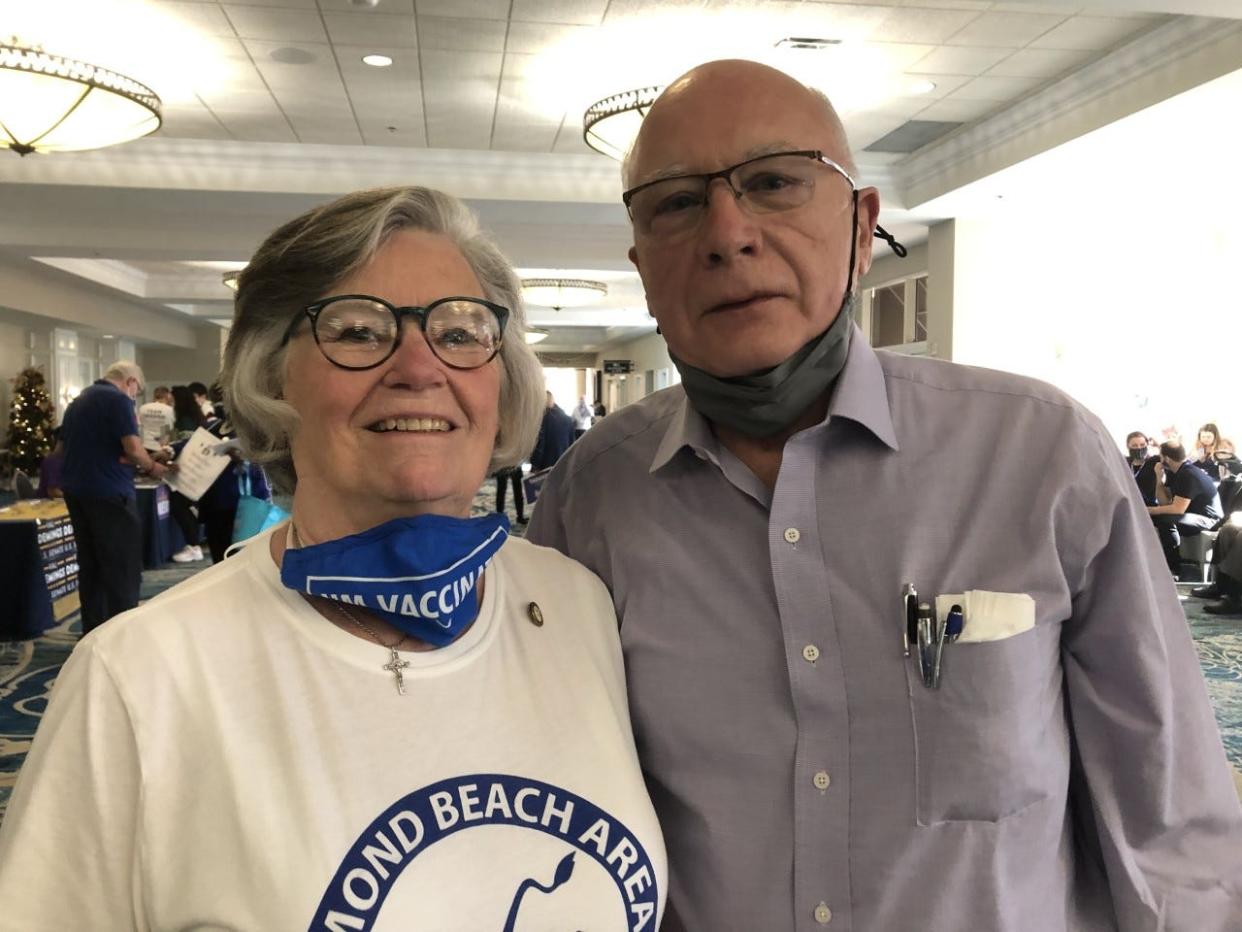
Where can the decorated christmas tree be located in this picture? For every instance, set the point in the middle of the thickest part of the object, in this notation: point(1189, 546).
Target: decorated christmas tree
point(31, 419)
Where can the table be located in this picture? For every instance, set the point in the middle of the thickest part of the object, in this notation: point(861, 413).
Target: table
point(161, 537)
point(38, 568)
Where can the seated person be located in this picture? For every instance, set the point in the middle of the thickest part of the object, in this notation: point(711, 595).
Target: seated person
point(1209, 443)
point(1226, 462)
point(1142, 466)
point(50, 469)
point(1188, 502)
point(1227, 589)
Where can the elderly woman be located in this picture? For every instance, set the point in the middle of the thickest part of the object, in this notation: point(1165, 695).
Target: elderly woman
point(385, 714)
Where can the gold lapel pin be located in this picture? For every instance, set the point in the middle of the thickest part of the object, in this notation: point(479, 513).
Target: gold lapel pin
point(534, 614)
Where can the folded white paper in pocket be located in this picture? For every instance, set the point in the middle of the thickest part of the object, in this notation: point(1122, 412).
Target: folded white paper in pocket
point(989, 616)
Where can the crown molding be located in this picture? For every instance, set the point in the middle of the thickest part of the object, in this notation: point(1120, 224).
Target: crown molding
point(1173, 57)
point(211, 165)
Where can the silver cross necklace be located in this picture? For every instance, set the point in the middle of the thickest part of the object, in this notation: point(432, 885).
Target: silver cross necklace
point(395, 664)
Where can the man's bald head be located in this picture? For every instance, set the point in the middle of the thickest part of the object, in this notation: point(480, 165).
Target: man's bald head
point(732, 84)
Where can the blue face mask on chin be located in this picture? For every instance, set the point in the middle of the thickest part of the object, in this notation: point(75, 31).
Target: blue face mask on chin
point(419, 574)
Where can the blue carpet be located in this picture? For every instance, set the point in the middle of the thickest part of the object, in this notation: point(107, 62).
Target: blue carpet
point(28, 668)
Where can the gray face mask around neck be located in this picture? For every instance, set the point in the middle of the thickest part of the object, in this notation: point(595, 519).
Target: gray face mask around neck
point(762, 405)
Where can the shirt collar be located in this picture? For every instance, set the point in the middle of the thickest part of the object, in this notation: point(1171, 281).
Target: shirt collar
point(860, 396)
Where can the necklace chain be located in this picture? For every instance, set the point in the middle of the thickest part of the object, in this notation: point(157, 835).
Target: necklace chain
point(395, 664)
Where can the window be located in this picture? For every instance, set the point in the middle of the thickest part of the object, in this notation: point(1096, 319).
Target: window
point(895, 314)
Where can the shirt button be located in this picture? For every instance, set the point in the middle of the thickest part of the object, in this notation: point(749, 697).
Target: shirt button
point(822, 780)
point(823, 915)
point(811, 653)
point(792, 535)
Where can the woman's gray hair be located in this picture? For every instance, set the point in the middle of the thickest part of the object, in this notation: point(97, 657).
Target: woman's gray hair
point(303, 260)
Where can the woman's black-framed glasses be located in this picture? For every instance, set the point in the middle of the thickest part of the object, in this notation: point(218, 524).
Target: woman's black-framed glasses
point(360, 331)
point(670, 206)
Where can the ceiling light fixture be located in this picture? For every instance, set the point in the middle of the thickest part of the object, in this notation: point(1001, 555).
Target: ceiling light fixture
point(557, 293)
point(535, 335)
point(610, 125)
point(922, 87)
point(54, 104)
point(230, 278)
point(377, 61)
point(806, 43)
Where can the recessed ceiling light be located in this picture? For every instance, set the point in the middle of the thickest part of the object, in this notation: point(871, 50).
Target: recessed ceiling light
point(377, 61)
point(922, 87)
point(806, 42)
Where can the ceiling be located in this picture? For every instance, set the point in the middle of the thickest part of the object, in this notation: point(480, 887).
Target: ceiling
point(269, 110)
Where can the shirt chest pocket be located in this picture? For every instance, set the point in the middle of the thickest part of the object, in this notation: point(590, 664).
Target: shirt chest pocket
point(992, 739)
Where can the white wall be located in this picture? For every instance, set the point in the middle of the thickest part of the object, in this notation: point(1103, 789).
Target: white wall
point(183, 366)
point(1138, 317)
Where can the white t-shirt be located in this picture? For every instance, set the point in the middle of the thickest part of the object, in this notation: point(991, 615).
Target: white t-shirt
point(226, 758)
point(156, 420)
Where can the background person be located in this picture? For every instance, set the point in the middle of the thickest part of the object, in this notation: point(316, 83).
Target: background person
point(1188, 502)
point(156, 418)
point(556, 433)
point(202, 398)
point(582, 415)
point(1205, 448)
point(757, 525)
point(102, 445)
point(250, 712)
point(1142, 466)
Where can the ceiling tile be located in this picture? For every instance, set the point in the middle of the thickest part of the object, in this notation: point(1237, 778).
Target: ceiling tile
point(410, 135)
point(273, 57)
point(465, 9)
point(623, 10)
point(848, 21)
point(958, 111)
point(946, 84)
point(1025, 6)
point(580, 12)
point(371, 29)
point(1011, 30)
point(538, 37)
point(915, 25)
point(942, 4)
point(1090, 32)
point(249, 127)
point(896, 56)
point(257, 103)
point(340, 131)
point(524, 137)
point(283, 4)
point(396, 7)
point(459, 94)
point(1039, 63)
point(862, 129)
point(461, 35)
point(205, 19)
point(963, 60)
point(1000, 89)
point(181, 124)
point(279, 25)
point(570, 140)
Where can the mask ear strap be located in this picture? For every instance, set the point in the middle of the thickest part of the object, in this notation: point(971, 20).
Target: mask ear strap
point(896, 247)
point(849, 282)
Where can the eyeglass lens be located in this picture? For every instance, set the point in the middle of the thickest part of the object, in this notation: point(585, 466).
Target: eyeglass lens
point(778, 182)
point(356, 333)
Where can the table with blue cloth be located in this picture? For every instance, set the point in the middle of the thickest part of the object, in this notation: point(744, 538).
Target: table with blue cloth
point(38, 568)
point(161, 537)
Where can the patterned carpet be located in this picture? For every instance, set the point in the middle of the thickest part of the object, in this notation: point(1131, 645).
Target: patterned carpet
point(28, 668)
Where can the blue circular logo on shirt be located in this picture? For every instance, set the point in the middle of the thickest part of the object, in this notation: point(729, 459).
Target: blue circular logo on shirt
point(409, 827)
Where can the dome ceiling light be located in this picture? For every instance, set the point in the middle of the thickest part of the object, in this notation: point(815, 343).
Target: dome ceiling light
point(558, 293)
point(610, 125)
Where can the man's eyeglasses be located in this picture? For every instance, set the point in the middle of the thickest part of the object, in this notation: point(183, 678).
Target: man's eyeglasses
point(358, 331)
point(769, 183)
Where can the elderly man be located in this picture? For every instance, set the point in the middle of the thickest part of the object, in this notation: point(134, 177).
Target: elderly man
point(102, 442)
point(820, 757)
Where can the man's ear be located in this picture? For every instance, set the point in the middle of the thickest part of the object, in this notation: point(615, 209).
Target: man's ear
point(868, 217)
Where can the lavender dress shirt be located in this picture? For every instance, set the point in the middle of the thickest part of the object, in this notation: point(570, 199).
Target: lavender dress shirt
point(1067, 778)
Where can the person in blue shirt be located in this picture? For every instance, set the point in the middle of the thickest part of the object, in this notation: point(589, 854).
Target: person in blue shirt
point(103, 443)
point(556, 433)
point(1189, 502)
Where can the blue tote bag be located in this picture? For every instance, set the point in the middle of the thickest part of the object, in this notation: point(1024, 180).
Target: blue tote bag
point(254, 515)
